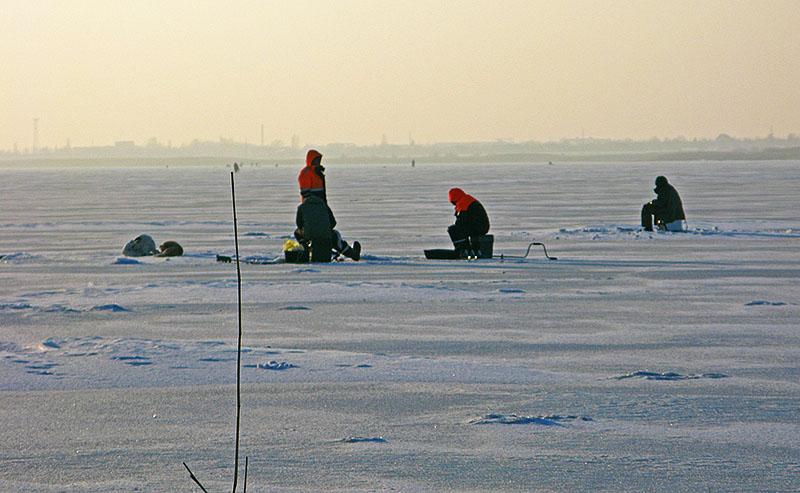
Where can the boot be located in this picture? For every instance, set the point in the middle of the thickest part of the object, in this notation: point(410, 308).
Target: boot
point(353, 252)
point(648, 214)
point(462, 248)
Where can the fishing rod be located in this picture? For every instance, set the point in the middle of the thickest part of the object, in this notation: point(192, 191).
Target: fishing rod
point(238, 360)
point(239, 346)
point(528, 251)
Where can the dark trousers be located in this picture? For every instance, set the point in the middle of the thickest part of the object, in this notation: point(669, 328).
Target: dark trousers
point(468, 243)
point(459, 236)
point(649, 211)
point(321, 247)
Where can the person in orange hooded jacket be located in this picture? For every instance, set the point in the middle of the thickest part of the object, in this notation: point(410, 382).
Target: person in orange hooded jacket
point(471, 219)
point(312, 177)
point(315, 218)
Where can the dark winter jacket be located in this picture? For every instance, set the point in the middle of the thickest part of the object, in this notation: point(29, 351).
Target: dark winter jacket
point(668, 205)
point(470, 215)
point(315, 218)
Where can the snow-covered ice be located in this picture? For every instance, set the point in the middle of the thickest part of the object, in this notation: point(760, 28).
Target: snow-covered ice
point(636, 362)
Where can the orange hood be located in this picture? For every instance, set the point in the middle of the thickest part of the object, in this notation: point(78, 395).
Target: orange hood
point(461, 200)
point(311, 156)
point(454, 195)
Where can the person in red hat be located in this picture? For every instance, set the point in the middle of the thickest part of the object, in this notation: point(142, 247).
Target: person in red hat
point(471, 223)
point(312, 177)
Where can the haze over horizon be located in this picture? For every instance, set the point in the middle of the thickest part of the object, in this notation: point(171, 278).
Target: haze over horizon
point(95, 72)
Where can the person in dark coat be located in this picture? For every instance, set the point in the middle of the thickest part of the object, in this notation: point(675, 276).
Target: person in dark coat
point(315, 223)
point(667, 209)
point(471, 223)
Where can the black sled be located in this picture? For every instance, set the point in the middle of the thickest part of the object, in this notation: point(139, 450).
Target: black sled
point(480, 247)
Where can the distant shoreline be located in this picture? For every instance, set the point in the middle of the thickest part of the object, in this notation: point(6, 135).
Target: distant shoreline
point(771, 154)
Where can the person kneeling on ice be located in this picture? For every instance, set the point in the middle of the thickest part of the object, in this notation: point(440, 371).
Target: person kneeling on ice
point(315, 223)
point(471, 224)
point(667, 209)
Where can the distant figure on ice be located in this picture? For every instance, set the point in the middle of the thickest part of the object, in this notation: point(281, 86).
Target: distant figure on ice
point(315, 223)
point(312, 177)
point(472, 223)
point(667, 209)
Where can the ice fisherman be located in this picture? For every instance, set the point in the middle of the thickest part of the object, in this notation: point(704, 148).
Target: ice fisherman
point(315, 220)
point(472, 222)
point(315, 223)
point(312, 177)
point(667, 209)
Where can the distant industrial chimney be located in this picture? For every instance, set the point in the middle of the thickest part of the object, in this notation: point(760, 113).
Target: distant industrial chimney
point(35, 135)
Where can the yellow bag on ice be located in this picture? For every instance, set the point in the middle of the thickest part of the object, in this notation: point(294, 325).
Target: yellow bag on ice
point(292, 246)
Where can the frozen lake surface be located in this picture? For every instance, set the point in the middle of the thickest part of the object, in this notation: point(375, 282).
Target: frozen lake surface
point(635, 362)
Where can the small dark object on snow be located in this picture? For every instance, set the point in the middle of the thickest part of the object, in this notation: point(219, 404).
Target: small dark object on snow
point(296, 256)
point(442, 254)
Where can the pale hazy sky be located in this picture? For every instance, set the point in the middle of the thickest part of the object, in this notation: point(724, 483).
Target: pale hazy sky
point(350, 71)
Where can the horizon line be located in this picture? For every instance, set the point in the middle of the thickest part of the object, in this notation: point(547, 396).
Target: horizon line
point(155, 142)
